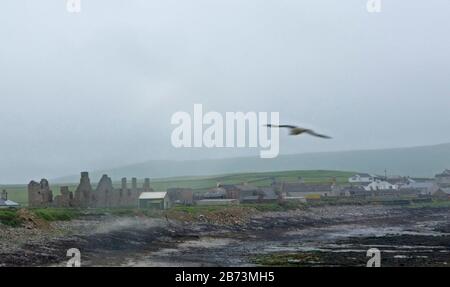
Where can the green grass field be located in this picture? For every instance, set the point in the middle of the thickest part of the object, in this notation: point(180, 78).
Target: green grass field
point(19, 194)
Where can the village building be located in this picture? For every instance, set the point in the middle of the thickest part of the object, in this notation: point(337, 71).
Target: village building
point(65, 198)
point(225, 201)
point(442, 193)
point(231, 190)
point(248, 193)
point(358, 191)
point(241, 192)
point(337, 191)
point(363, 178)
point(400, 181)
point(215, 193)
point(300, 189)
point(183, 196)
point(234, 191)
point(363, 192)
point(261, 195)
point(270, 194)
point(443, 179)
point(154, 200)
point(380, 185)
point(5, 202)
point(39, 194)
point(439, 192)
point(421, 185)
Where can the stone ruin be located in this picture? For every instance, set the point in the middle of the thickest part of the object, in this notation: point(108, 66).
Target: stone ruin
point(65, 198)
point(39, 194)
point(105, 195)
point(83, 191)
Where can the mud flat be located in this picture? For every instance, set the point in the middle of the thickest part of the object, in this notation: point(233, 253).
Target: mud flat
point(319, 236)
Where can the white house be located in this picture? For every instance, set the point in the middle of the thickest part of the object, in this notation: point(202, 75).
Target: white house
point(154, 199)
point(362, 178)
point(380, 185)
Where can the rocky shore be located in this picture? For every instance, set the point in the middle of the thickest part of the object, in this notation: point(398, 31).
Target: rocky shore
point(318, 236)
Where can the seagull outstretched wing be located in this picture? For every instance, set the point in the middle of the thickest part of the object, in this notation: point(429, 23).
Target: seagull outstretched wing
point(313, 133)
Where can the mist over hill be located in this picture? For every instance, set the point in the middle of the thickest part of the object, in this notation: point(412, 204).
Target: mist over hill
point(423, 161)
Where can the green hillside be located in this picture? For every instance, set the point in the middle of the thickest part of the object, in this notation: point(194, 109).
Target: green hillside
point(423, 161)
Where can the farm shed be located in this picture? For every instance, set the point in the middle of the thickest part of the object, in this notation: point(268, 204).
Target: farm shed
point(155, 200)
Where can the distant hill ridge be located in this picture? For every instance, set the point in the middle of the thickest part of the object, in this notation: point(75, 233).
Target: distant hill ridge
point(422, 161)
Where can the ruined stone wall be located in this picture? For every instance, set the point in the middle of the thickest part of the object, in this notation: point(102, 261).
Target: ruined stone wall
point(128, 197)
point(83, 191)
point(104, 195)
point(65, 199)
point(182, 195)
point(39, 194)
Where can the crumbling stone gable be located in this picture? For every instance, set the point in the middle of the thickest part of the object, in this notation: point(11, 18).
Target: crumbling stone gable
point(83, 191)
point(105, 195)
point(39, 194)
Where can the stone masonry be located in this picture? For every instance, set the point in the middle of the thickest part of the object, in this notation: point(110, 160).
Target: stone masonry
point(40, 194)
point(83, 191)
point(105, 195)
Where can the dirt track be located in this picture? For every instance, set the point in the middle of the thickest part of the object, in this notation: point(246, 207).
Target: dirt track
point(322, 236)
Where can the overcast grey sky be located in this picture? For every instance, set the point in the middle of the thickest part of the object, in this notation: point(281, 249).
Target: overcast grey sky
point(97, 89)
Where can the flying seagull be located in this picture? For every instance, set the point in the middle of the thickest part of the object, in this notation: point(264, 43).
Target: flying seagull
point(294, 130)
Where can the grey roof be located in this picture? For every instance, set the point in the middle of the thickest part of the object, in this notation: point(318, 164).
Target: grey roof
point(215, 193)
point(269, 192)
point(446, 190)
point(246, 187)
point(302, 187)
point(241, 187)
point(8, 203)
point(354, 189)
point(228, 187)
point(398, 180)
point(419, 185)
point(153, 195)
point(362, 175)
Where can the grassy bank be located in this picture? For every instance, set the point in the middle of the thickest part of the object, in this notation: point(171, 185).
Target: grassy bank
point(9, 217)
point(56, 214)
point(16, 217)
